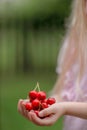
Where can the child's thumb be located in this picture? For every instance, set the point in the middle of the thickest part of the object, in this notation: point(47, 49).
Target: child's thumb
point(44, 113)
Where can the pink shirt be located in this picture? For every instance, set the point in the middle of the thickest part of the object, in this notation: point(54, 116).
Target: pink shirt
point(70, 93)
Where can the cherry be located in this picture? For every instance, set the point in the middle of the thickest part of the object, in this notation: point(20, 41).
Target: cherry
point(41, 95)
point(44, 101)
point(35, 104)
point(44, 105)
point(33, 94)
point(28, 106)
point(38, 101)
point(36, 112)
point(51, 101)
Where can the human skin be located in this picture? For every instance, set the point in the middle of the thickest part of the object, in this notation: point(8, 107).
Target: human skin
point(55, 111)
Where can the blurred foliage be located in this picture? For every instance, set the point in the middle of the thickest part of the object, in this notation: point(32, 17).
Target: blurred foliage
point(28, 28)
point(33, 9)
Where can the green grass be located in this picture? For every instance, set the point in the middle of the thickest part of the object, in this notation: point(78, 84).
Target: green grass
point(14, 88)
point(42, 48)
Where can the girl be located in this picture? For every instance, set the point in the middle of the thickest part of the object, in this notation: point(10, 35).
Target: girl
point(70, 89)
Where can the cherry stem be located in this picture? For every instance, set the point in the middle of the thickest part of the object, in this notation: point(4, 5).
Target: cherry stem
point(38, 86)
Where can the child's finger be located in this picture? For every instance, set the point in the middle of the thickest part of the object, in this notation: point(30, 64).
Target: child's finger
point(36, 120)
point(47, 111)
point(19, 106)
point(48, 121)
point(29, 115)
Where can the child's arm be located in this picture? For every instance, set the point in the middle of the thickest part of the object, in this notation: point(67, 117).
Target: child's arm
point(54, 112)
point(78, 109)
point(57, 110)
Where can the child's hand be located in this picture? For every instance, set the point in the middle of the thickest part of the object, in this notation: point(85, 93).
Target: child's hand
point(22, 110)
point(46, 117)
point(51, 114)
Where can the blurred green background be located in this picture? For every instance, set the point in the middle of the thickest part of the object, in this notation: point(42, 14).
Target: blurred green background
point(30, 39)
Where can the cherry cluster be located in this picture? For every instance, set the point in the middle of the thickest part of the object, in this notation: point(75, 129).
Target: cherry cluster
point(38, 100)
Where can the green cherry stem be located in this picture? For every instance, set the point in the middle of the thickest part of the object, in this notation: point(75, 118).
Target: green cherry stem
point(38, 86)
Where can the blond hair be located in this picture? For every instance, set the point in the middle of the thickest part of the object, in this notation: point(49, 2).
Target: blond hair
point(77, 37)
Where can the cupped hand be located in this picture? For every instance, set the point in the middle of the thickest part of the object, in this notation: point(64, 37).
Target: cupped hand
point(47, 117)
point(22, 110)
point(51, 114)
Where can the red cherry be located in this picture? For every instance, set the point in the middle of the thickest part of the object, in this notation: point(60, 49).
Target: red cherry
point(44, 105)
point(36, 112)
point(35, 104)
point(41, 95)
point(33, 94)
point(28, 106)
point(31, 100)
point(51, 101)
point(44, 101)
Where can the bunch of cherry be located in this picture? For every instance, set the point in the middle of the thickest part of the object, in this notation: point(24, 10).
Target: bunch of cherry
point(38, 101)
